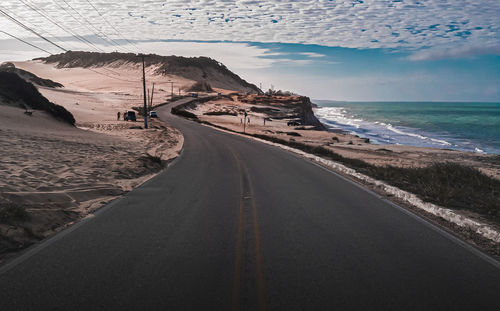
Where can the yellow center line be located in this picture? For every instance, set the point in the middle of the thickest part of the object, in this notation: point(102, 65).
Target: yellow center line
point(258, 254)
point(239, 241)
point(261, 297)
point(239, 253)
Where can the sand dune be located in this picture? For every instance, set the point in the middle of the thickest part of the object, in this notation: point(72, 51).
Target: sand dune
point(59, 173)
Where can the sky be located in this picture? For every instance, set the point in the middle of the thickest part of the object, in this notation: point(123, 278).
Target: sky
point(357, 50)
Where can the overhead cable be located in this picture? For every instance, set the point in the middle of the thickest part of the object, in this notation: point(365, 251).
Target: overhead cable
point(60, 25)
point(26, 42)
point(113, 27)
point(31, 30)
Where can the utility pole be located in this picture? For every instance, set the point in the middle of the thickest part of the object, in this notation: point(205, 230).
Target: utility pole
point(148, 99)
point(152, 93)
point(245, 122)
point(144, 87)
point(172, 88)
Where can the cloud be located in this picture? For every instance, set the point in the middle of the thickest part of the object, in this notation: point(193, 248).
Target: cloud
point(312, 54)
point(404, 25)
point(233, 55)
point(468, 52)
point(236, 56)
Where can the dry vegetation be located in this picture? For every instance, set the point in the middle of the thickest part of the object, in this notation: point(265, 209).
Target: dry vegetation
point(447, 184)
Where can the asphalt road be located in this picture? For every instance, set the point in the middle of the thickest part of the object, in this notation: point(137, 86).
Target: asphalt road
point(235, 224)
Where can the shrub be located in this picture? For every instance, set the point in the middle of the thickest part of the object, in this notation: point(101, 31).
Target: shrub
point(446, 184)
point(181, 112)
point(221, 113)
point(9, 211)
point(200, 86)
point(13, 88)
point(450, 185)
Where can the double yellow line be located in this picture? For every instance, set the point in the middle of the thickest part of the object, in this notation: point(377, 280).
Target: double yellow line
point(247, 196)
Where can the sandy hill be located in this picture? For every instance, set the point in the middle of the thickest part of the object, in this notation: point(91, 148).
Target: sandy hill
point(52, 172)
point(196, 69)
point(28, 76)
point(17, 92)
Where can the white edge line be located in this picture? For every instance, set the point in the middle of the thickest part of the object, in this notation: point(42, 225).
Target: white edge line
point(310, 157)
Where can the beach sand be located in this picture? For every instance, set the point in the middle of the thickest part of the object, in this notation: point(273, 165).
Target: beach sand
point(228, 113)
point(59, 173)
point(345, 144)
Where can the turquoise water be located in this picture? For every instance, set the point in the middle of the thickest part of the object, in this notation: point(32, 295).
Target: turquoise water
point(461, 126)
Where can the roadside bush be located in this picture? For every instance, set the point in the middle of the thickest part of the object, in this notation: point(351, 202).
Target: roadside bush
point(201, 86)
point(446, 184)
point(183, 113)
point(15, 89)
point(450, 185)
point(9, 211)
point(221, 113)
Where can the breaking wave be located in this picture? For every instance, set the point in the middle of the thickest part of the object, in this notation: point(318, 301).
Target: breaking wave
point(386, 133)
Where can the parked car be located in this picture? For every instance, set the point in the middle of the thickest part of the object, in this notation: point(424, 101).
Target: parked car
point(153, 114)
point(194, 95)
point(129, 116)
point(293, 123)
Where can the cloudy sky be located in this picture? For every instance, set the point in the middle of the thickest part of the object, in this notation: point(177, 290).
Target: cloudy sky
point(433, 50)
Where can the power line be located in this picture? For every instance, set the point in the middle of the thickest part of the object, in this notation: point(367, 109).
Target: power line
point(41, 49)
point(93, 70)
point(97, 31)
point(33, 25)
point(79, 21)
point(31, 30)
point(58, 24)
point(110, 25)
point(26, 42)
point(117, 73)
point(39, 35)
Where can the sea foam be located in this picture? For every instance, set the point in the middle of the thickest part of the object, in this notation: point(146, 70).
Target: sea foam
point(380, 132)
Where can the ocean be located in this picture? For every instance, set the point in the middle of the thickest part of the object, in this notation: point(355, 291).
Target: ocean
point(461, 126)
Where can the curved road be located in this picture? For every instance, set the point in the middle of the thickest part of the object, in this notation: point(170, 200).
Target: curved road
point(234, 224)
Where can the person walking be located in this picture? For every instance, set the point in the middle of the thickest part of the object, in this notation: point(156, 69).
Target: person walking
point(118, 116)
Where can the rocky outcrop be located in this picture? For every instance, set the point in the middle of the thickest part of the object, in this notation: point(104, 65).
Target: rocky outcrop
point(284, 107)
point(306, 114)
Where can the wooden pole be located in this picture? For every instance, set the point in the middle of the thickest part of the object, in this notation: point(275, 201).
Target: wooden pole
point(144, 87)
point(152, 93)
